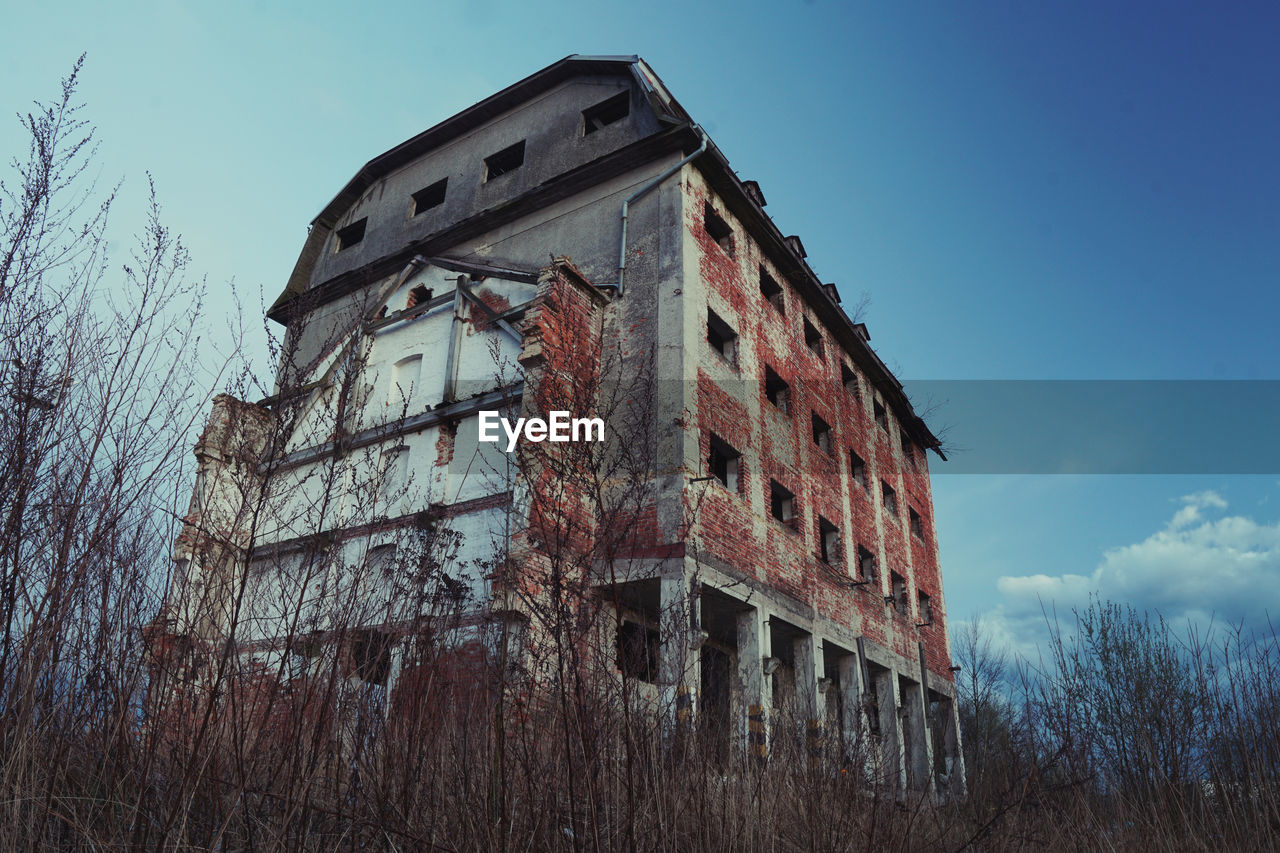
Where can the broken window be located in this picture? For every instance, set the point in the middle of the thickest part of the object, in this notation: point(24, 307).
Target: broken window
point(899, 587)
point(849, 379)
point(368, 656)
point(506, 160)
point(772, 291)
point(812, 337)
point(419, 295)
point(858, 470)
point(917, 523)
point(882, 417)
point(890, 498)
point(782, 503)
point(821, 434)
point(721, 336)
point(775, 390)
point(606, 113)
point(908, 448)
point(351, 234)
point(429, 197)
point(925, 606)
point(638, 651)
point(717, 228)
point(867, 565)
point(723, 463)
point(828, 541)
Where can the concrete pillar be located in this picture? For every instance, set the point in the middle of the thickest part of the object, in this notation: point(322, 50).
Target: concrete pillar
point(893, 762)
point(851, 728)
point(754, 647)
point(809, 667)
point(916, 740)
point(678, 667)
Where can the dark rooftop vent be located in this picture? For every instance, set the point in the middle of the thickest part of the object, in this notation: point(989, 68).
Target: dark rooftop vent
point(831, 291)
point(753, 190)
point(861, 329)
point(796, 246)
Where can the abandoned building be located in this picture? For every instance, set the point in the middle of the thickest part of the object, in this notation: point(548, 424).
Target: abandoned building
point(767, 551)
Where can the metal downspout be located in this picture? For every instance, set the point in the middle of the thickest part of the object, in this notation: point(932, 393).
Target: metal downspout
point(641, 193)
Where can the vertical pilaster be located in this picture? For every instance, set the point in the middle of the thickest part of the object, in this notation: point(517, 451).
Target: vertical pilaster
point(809, 667)
point(754, 648)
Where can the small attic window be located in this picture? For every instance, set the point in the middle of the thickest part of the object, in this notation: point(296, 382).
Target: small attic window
point(606, 113)
point(882, 417)
point(717, 227)
point(772, 291)
point(351, 234)
point(429, 197)
point(812, 337)
point(775, 390)
point(908, 447)
point(722, 337)
point(506, 160)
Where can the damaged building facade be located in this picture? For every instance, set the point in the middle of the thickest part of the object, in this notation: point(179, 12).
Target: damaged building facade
point(754, 538)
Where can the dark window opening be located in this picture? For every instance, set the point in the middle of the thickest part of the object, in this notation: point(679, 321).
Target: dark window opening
point(828, 541)
point(849, 379)
point(429, 197)
point(925, 606)
point(721, 336)
point(890, 498)
point(858, 469)
point(351, 234)
point(772, 291)
point(717, 227)
point(882, 417)
point(419, 295)
point(867, 565)
point(369, 656)
point(723, 463)
point(917, 523)
point(782, 504)
point(812, 336)
point(638, 651)
point(606, 113)
point(908, 448)
point(873, 710)
point(821, 434)
point(506, 160)
point(899, 586)
point(775, 390)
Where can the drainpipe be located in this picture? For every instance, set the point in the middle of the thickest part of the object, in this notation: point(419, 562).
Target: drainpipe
point(641, 193)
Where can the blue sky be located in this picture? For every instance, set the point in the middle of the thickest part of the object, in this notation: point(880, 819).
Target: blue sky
point(1026, 191)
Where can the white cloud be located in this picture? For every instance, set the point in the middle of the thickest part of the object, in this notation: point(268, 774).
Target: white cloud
point(1198, 568)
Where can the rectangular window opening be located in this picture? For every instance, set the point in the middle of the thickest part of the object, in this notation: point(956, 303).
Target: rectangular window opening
point(858, 469)
point(917, 523)
point(925, 607)
point(908, 447)
point(351, 235)
point(882, 417)
point(722, 337)
point(899, 586)
point(429, 197)
point(717, 228)
point(775, 390)
point(828, 541)
point(506, 160)
point(782, 503)
point(849, 379)
point(867, 565)
point(772, 291)
point(821, 434)
point(638, 651)
point(606, 113)
point(890, 498)
point(812, 337)
point(722, 462)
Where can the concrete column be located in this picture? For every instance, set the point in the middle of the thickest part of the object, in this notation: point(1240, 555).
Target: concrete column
point(678, 667)
point(916, 740)
point(754, 647)
point(807, 651)
point(851, 729)
point(893, 761)
point(958, 784)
